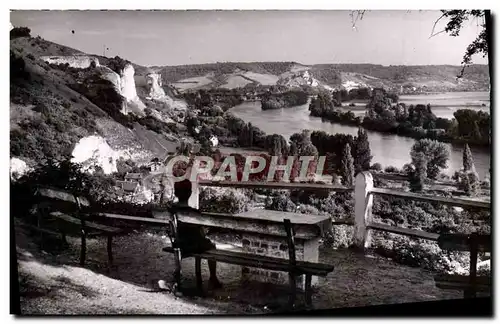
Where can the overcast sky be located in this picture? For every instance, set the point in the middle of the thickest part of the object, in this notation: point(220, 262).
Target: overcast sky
point(308, 37)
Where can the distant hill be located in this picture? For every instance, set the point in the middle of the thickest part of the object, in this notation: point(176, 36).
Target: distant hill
point(429, 78)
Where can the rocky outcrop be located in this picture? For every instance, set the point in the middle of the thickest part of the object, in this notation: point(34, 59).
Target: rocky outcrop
point(18, 168)
point(154, 83)
point(75, 61)
point(154, 91)
point(129, 92)
point(93, 151)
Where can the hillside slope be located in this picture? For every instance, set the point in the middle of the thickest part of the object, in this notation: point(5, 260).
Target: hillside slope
point(54, 106)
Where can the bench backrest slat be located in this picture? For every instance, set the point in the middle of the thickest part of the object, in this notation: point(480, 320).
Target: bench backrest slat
point(61, 195)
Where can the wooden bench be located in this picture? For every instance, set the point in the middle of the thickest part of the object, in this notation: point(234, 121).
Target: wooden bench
point(472, 283)
point(290, 265)
point(52, 217)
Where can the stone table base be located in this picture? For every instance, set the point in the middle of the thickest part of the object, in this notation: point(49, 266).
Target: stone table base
point(274, 246)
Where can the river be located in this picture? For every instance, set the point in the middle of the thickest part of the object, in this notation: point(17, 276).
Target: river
point(387, 149)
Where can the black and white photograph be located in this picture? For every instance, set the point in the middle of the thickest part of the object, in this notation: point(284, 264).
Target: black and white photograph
point(251, 162)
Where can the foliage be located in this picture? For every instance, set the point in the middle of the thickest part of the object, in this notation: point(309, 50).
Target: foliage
point(419, 172)
point(17, 32)
point(456, 19)
point(362, 152)
point(347, 166)
point(281, 202)
point(224, 200)
point(436, 153)
point(289, 98)
point(468, 181)
point(473, 126)
point(415, 121)
point(468, 163)
point(333, 144)
point(376, 167)
point(276, 145)
point(117, 64)
point(17, 67)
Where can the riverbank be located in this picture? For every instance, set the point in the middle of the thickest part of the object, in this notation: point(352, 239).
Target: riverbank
point(404, 133)
point(387, 149)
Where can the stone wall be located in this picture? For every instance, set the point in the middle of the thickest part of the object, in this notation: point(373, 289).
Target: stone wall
point(277, 247)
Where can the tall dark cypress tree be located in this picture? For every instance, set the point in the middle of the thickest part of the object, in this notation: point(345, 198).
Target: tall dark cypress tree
point(468, 162)
point(362, 152)
point(347, 166)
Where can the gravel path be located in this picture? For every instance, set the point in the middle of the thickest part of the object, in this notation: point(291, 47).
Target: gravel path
point(54, 283)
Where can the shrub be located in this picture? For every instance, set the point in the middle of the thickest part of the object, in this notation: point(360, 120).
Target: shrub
point(224, 200)
point(421, 253)
point(469, 182)
point(281, 202)
point(376, 167)
point(391, 169)
point(340, 236)
point(17, 32)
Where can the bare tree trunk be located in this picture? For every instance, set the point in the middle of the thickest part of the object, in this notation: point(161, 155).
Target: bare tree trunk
point(489, 42)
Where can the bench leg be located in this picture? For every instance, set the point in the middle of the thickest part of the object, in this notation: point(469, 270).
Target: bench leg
point(177, 273)
point(110, 251)
point(293, 289)
point(199, 280)
point(83, 248)
point(308, 292)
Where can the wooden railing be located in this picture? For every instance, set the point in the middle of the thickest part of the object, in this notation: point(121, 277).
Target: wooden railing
point(364, 191)
point(363, 199)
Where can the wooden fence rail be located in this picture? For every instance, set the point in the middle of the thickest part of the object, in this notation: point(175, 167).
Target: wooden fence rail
point(364, 191)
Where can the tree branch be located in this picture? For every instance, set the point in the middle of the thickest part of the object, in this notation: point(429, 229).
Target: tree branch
point(434, 26)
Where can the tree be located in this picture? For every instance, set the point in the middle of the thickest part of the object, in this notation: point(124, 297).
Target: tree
point(418, 172)
point(467, 159)
point(362, 151)
point(347, 166)
point(436, 153)
point(17, 32)
point(469, 182)
point(456, 20)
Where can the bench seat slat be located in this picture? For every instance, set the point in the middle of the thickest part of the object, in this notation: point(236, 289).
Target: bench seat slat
point(311, 265)
point(263, 262)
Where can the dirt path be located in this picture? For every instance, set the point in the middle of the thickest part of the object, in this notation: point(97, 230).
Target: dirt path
point(55, 284)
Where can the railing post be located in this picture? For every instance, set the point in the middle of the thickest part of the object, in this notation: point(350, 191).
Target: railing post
point(363, 201)
point(194, 200)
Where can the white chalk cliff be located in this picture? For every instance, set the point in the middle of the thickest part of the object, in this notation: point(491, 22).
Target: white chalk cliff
point(154, 85)
point(18, 168)
point(94, 151)
point(124, 84)
point(128, 90)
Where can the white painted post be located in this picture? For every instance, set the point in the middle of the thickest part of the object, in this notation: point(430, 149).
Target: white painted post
point(194, 200)
point(363, 201)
